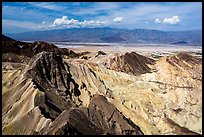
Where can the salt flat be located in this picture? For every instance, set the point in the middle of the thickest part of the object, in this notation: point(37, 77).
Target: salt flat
point(145, 49)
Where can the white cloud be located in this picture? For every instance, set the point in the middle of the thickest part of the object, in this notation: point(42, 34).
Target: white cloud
point(93, 23)
point(118, 19)
point(174, 20)
point(157, 20)
point(64, 22)
point(170, 21)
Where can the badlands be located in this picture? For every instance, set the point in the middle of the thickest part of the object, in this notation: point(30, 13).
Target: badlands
point(47, 90)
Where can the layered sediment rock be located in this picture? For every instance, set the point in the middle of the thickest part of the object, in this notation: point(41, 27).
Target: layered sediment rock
point(120, 94)
point(44, 91)
point(170, 93)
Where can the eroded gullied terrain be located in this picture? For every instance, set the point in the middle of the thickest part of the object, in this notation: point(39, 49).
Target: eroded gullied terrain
point(162, 97)
point(51, 96)
point(166, 101)
point(102, 94)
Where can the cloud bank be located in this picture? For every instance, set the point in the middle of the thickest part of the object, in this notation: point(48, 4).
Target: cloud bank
point(64, 22)
point(118, 19)
point(170, 21)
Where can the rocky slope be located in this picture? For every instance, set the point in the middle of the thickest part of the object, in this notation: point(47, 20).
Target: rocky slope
point(101, 117)
point(43, 98)
point(57, 94)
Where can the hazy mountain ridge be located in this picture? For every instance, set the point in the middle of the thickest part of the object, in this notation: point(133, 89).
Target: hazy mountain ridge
point(113, 35)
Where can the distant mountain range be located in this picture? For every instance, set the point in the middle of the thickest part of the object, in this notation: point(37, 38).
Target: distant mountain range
point(112, 35)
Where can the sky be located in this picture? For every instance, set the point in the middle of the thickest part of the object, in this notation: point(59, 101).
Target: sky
point(166, 16)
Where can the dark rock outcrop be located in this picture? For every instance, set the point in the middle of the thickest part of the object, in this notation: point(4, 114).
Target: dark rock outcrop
point(5, 38)
point(100, 118)
point(72, 121)
point(15, 58)
point(23, 50)
point(183, 56)
point(184, 62)
point(31, 49)
point(51, 75)
point(49, 71)
point(106, 116)
point(99, 53)
point(131, 63)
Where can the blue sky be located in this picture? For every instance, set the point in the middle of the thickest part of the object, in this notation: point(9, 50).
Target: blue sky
point(167, 16)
